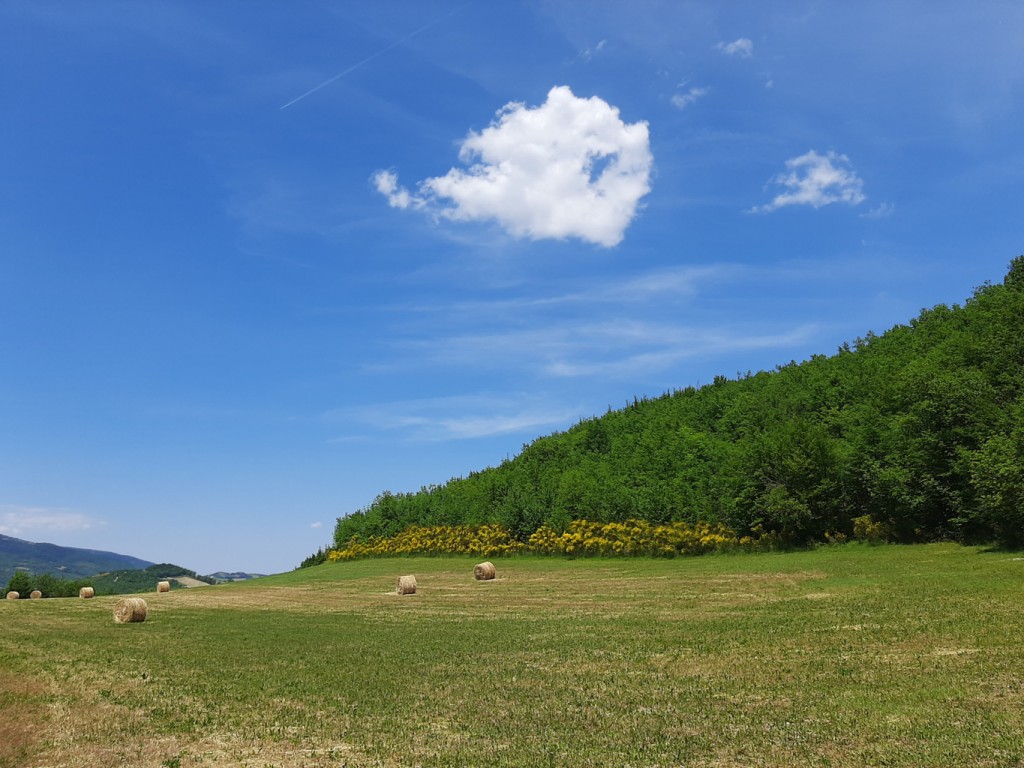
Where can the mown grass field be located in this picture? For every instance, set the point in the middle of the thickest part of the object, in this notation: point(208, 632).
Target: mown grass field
point(842, 656)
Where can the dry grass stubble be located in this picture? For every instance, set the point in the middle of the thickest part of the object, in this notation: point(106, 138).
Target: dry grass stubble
point(23, 718)
point(99, 717)
point(846, 658)
point(97, 721)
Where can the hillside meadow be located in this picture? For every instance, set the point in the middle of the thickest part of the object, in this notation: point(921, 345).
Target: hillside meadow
point(847, 655)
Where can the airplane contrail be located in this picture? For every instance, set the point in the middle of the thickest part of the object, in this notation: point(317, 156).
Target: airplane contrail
point(370, 58)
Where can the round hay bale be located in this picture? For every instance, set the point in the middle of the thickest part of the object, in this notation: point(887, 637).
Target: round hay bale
point(12, 595)
point(130, 610)
point(163, 586)
point(406, 585)
point(484, 571)
point(35, 594)
point(86, 592)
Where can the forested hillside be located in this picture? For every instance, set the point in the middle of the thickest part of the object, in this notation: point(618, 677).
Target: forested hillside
point(66, 562)
point(922, 428)
point(142, 580)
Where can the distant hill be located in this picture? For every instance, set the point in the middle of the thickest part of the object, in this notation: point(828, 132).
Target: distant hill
point(64, 562)
point(235, 576)
point(131, 581)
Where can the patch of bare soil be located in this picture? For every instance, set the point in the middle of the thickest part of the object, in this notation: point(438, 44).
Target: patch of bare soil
point(188, 581)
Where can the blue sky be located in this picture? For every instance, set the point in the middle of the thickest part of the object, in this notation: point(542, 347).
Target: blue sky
point(260, 262)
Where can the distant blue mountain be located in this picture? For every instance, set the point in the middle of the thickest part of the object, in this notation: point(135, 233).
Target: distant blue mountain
point(65, 562)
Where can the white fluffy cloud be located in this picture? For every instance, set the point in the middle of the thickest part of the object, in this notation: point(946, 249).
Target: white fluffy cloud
point(743, 47)
point(568, 168)
point(816, 180)
point(386, 183)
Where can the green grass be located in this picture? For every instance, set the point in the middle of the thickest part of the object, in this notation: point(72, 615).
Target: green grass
point(843, 656)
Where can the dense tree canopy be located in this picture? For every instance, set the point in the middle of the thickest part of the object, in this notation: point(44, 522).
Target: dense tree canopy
point(922, 428)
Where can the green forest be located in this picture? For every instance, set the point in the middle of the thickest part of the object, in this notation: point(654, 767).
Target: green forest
point(921, 428)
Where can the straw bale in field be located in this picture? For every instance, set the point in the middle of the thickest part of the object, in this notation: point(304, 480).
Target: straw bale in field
point(35, 594)
point(406, 585)
point(484, 571)
point(12, 595)
point(163, 586)
point(86, 592)
point(130, 610)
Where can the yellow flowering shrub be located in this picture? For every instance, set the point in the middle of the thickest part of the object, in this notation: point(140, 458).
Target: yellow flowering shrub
point(482, 540)
point(633, 537)
point(866, 528)
point(583, 537)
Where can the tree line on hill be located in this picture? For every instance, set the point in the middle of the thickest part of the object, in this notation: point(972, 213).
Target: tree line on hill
point(25, 583)
point(121, 582)
point(920, 428)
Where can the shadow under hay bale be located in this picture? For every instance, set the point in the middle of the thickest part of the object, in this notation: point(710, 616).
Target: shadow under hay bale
point(130, 610)
point(35, 594)
point(484, 571)
point(12, 595)
point(86, 592)
point(406, 585)
point(163, 586)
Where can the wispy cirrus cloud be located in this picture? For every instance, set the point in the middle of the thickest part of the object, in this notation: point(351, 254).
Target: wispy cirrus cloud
point(671, 281)
point(459, 417)
point(589, 53)
point(653, 348)
point(610, 348)
point(17, 520)
point(640, 329)
point(816, 180)
point(609, 333)
point(567, 168)
point(668, 283)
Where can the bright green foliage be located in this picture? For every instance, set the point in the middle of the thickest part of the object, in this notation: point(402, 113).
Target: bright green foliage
point(919, 428)
point(998, 473)
point(317, 558)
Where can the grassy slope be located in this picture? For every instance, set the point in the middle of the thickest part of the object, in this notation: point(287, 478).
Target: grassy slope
point(854, 655)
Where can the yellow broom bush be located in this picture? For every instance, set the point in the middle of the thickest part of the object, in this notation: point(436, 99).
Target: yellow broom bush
point(483, 540)
point(633, 537)
point(583, 537)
